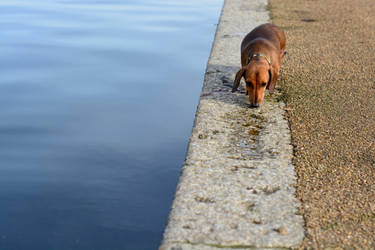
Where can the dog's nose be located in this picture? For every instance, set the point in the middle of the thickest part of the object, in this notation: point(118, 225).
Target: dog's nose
point(254, 105)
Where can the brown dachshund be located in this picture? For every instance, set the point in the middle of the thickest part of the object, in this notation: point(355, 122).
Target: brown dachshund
point(261, 53)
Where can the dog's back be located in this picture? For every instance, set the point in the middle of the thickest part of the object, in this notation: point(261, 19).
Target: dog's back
point(269, 32)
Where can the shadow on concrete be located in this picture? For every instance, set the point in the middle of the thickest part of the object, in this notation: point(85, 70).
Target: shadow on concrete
point(218, 85)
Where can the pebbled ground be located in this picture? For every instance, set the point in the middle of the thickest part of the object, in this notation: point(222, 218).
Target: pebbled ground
point(328, 83)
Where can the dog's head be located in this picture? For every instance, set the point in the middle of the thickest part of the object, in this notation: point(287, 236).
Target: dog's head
point(258, 76)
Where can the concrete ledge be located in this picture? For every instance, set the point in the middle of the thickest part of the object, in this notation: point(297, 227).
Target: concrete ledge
point(236, 184)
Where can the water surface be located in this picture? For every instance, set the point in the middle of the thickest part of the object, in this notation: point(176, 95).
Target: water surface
point(97, 101)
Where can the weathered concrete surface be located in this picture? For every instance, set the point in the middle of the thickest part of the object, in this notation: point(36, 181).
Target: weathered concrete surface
point(236, 184)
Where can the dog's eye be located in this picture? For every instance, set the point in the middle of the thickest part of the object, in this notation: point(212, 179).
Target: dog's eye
point(249, 84)
point(263, 85)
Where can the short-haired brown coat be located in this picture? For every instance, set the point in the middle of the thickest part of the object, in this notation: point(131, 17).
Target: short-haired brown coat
point(261, 53)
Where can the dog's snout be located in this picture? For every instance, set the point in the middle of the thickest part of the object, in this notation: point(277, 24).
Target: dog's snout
point(254, 105)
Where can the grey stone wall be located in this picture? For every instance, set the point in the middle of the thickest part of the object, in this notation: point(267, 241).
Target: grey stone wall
point(236, 184)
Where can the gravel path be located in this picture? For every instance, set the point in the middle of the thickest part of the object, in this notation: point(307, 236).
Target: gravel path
point(328, 82)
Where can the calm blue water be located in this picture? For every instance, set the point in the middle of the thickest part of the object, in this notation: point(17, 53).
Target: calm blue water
point(97, 101)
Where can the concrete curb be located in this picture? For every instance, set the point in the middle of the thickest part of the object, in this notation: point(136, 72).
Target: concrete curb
point(236, 185)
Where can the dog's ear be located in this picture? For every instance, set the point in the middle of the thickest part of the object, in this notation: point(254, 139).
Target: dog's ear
point(282, 53)
point(237, 79)
point(269, 87)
